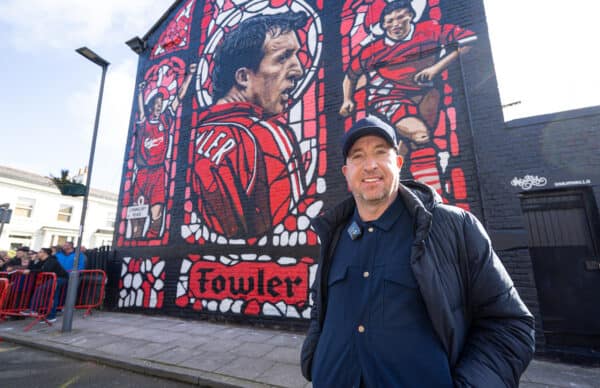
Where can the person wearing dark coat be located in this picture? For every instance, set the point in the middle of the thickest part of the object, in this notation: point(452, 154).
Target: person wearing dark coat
point(47, 262)
point(409, 291)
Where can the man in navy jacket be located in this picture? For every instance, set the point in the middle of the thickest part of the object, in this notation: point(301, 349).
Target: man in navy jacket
point(409, 291)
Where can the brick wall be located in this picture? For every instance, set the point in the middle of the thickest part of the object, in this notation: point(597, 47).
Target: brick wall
point(195, 239)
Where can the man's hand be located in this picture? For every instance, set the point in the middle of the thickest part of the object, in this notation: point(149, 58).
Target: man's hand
point(426, 75)
point(347, 108)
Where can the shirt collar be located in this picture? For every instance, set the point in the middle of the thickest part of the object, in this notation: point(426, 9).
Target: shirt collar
point(387, 219)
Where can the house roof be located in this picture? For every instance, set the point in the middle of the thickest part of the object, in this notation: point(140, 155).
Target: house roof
point(30, 177)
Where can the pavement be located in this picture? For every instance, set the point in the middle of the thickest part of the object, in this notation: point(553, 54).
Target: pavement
point(213, 354)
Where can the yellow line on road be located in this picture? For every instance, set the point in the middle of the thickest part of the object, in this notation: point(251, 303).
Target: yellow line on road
point(8, 349)
point(68, 383)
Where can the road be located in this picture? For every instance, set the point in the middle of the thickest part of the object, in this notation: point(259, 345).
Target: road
point(29, 368)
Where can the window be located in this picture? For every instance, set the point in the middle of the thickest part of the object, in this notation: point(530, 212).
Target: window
point(110, 220)
point(16, 241)
point(59, 240)
point(24, 207)
point(64, 213)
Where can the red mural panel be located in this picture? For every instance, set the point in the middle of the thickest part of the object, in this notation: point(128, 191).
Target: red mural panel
point(150, 175)
point(255, 163)
point(247, 284)
point(396, 56)
point(177, 34)
point(142, 282)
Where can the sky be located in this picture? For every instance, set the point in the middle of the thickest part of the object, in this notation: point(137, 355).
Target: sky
point(543, 51)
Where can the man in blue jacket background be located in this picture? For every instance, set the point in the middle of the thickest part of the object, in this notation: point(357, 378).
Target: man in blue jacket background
point(66, 258)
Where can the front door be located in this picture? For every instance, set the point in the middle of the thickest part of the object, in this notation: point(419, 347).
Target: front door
point(563, 242)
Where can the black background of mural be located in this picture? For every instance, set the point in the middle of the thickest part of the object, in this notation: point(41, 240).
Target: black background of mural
point(479, 82)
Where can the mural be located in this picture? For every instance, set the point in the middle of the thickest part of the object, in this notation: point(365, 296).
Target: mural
point(257, 151)
point(232, 141)
point(396, 56)
point(177, 34)
point(149, 183)
point(247, 284)
point(142, 283)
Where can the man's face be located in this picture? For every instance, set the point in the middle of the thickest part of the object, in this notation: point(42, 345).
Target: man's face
point(372, 171)
point(270, 86)
point(157, 107)
point(67, 247)
point(397, 23)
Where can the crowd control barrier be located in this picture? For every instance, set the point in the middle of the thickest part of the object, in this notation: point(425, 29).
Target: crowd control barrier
point(90, 293)
point(3, 290)
point(30, 295)
point(33, 295)
point(18, 294)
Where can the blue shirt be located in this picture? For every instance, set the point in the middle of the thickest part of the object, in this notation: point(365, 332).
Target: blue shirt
point(67, 261)
point(377, 332)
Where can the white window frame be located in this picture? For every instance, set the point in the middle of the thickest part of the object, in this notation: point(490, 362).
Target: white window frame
point(64, 214)
point(24, 205)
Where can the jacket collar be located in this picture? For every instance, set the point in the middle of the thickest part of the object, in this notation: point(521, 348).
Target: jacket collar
point(419, 200)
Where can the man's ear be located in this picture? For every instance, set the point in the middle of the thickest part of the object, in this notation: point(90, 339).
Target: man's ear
point(242, 76)
point(399, 161)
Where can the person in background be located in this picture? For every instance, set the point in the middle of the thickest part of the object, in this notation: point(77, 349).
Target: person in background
point(48, 263)
point(66, 258)
point(3, 259)
point(17, 262)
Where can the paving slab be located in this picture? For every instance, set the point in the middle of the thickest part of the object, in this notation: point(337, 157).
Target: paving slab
point(208, 361)
point(246, 367)
point(290, 355)
point(250, 349)
point(285, 375)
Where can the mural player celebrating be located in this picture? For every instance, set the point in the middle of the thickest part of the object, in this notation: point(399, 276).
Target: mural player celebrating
point(152, 144)
point(409, 292)
point(248, 172)
point(400, 70)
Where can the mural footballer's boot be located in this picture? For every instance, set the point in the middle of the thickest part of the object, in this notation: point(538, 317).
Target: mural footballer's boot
point(137, 226)
point(154, 231)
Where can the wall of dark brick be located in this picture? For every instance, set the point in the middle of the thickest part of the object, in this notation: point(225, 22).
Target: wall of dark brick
point(560, 147)
point(491, 155)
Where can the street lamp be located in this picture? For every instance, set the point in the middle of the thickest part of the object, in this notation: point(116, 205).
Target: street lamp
point(74, 275)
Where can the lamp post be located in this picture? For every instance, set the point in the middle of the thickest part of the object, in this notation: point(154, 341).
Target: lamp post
point(74, 275)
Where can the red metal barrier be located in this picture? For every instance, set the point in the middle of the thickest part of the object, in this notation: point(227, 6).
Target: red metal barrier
point(42, 298)
point(3, 291)
point(20, 288)
point(90, 293)
point(30, 294)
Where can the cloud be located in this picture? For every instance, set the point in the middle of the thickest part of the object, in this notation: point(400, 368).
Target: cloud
point(49, 24)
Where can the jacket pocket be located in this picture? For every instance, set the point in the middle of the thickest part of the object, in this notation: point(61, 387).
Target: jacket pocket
point(401, 297)
point(338, 288)
point(401, 275)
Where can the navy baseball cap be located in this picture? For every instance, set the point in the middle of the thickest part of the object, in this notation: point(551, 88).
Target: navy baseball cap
point(370, 125)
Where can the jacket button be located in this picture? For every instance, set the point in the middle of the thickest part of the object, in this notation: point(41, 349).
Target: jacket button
point(370, 229)
point(366, 274)
point(361, 329)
